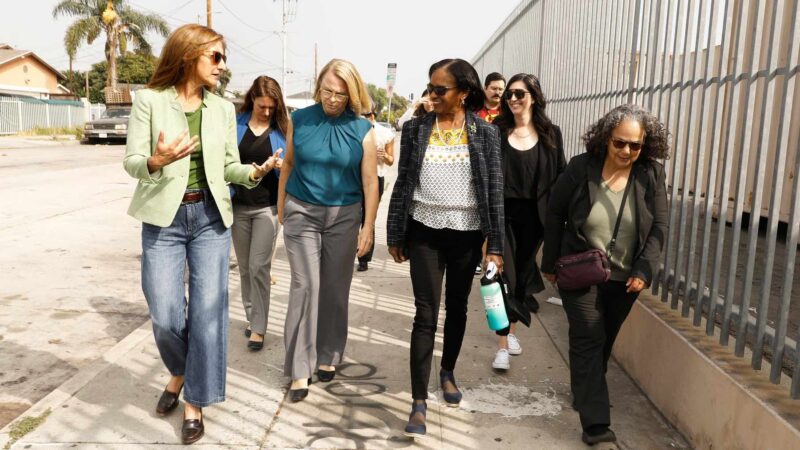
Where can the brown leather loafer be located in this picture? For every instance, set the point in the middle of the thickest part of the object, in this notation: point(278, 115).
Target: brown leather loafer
point(192, 430)
point(168, 402)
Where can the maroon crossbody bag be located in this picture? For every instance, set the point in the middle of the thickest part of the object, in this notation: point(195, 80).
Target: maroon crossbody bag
point(589, 268)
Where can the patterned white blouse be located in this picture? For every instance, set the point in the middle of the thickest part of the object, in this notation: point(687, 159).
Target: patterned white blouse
point(445, 196)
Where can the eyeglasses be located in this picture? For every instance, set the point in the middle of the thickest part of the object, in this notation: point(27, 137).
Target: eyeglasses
point(217, 57)
point(367, 114)
point(619, 144)
point(439, 90)
point(519, 94)
point(328, 94)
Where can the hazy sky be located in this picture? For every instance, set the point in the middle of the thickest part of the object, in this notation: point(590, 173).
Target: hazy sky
point(411, 33)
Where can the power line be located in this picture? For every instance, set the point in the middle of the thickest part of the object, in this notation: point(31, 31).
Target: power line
point(242, 21)
point(179, 7)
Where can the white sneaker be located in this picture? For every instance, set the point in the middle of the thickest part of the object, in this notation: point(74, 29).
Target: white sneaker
point(501, 360)
point(513, 345)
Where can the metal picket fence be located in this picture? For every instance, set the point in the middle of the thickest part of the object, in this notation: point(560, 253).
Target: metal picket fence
point(20, 115)
point(723, 75)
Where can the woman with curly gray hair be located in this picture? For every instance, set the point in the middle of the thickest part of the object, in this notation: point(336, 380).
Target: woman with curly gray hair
point(611, 198)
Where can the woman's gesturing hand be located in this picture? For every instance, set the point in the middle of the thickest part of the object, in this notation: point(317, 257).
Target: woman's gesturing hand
point(260, 170)
point(167, 153)
point(365, 239)
point(398, 254)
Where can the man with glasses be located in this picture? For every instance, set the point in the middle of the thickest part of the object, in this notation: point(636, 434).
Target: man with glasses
point(493, 87)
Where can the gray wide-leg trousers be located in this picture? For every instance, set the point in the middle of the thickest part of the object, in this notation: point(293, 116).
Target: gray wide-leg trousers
point(321, 244)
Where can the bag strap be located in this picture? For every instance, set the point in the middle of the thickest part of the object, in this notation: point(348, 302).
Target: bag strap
point(613, 242)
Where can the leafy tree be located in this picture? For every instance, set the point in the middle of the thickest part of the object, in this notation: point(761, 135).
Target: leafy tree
point(381, 100)
point(224, 80)
point(122, 26)
point(75, 82)
point(133, 68)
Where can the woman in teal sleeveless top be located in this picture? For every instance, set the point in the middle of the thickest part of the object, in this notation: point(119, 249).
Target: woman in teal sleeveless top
point(330, 163)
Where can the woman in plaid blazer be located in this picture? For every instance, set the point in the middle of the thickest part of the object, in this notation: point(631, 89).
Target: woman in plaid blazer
point(448, 199)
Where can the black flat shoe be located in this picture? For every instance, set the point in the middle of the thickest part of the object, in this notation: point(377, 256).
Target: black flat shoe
point(168, 401)
point(325, 375)
point(604, 435)
point(362, 266)
point(297, 395)
point(192, 430)
point(256, 345)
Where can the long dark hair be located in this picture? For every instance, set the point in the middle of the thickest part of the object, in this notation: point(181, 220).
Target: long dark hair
point(265, 86)
point(466, 80)
point(542, 123)
point(656, 134)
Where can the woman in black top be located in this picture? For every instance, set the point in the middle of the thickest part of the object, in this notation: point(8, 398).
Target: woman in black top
point(262, 124)
point(533, 157)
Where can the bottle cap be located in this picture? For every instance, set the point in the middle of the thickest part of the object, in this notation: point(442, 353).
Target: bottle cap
point(491, 270)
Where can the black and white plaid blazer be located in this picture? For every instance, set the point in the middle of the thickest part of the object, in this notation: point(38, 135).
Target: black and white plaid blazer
point(487, 177)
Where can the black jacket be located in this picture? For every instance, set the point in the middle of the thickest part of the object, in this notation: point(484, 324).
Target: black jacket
point(571, 201)
point(487, 177)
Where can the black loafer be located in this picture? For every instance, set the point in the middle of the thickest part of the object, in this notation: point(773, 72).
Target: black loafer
point(192, 430)
point(604, 436)
point(362, 267)
point(325, 375)
point(168, 401)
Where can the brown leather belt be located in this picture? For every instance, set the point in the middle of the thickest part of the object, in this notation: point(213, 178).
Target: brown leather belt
point(193, 197)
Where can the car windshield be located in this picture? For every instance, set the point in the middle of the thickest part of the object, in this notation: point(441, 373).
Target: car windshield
point(116, 114)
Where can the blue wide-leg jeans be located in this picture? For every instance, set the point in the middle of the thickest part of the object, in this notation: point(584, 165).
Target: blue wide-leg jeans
point(191, 335)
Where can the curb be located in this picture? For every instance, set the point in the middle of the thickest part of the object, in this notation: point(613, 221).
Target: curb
point(71, 386)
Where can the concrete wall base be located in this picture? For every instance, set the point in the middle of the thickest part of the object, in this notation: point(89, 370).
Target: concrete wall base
point(711, 396)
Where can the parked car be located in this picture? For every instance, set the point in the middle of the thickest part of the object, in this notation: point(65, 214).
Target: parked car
point(111, 126)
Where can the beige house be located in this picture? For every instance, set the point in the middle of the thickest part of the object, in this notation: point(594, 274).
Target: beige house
point(22, 73)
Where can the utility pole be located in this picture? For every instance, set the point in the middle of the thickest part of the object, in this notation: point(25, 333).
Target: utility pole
point(87, 84)
point(315, 61)
point(283, 45)
point(208, 13)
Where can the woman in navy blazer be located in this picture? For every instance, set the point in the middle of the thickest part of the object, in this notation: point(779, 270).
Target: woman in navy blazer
point(261, 128)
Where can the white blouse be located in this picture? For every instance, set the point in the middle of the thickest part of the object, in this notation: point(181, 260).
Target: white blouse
point(445, 196)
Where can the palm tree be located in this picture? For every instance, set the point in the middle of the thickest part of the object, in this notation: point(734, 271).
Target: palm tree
point(122, 26)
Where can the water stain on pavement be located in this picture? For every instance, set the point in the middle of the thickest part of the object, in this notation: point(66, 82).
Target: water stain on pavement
point(510, 400)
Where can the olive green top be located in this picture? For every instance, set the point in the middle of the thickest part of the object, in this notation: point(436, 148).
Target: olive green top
point(197, 171)
point(599, 227)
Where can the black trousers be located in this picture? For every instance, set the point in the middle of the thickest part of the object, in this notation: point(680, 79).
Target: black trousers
point(433, 254)
point(368, 256)
point(595, 316)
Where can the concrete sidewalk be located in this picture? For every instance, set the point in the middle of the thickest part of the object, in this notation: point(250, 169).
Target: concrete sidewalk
point(111, 403)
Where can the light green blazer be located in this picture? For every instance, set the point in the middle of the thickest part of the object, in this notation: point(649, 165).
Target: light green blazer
point(158, 195)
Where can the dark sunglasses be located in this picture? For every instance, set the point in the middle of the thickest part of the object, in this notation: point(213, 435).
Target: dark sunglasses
point(217, 57)
point(619, 144)
point(439, 90)
point(519, 94)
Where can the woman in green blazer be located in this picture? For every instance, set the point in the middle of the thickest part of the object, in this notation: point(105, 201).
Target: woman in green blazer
point(182, 148)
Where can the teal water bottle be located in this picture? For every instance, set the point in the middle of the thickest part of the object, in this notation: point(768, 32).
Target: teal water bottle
point(491, 292)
